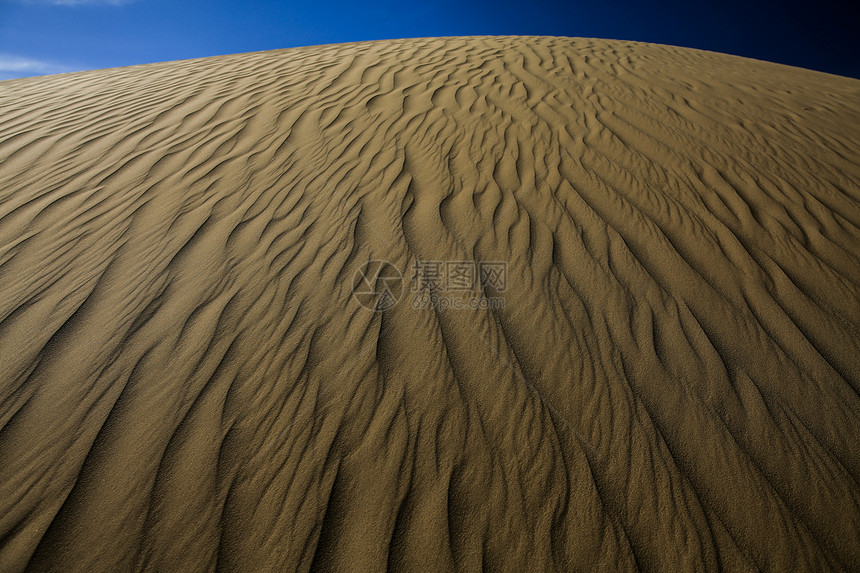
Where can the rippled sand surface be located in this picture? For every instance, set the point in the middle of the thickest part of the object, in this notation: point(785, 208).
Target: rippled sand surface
point(667, 380)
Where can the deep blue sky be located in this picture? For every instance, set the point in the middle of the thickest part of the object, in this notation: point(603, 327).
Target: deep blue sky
point(50, 36)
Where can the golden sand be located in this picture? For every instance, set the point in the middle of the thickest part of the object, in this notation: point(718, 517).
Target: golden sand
point(670, 381)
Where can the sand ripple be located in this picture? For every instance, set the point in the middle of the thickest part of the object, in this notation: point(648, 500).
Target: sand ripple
point(673, 383)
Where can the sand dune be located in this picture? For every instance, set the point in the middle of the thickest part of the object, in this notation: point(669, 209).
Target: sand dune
point(669, 379)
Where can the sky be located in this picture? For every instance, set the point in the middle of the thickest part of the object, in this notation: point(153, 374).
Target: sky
point(54, 36)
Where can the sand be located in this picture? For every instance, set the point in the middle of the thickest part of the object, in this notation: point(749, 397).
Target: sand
point(667, 379)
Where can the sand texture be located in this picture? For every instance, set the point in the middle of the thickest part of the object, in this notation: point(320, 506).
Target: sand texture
point(187, 382)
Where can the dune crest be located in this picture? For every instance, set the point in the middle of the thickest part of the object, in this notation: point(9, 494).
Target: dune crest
point(670, 379)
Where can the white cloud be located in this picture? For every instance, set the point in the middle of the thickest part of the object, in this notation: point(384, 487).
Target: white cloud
point(12, 66)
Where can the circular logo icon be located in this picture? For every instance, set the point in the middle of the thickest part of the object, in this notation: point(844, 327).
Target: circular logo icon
point(377, 285)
